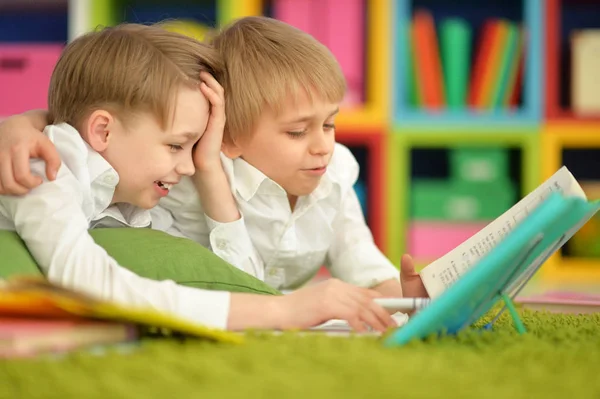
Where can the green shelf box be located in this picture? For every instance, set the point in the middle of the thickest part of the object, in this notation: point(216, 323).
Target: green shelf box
point(479, 165)
point(443, 200)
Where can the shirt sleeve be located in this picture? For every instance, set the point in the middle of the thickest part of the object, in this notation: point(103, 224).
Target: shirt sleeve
point(353, 256)
point(52, 224)
point(229, 241)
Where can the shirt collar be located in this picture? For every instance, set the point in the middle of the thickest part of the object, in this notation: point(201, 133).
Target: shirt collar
point(103, 180)
point(249, 180)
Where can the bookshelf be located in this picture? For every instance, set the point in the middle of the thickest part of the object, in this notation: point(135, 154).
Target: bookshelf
point(31, 40)
point(369, 148)
point(555, 141)
point(400, 175)
point(563, 18)
point(528, 13)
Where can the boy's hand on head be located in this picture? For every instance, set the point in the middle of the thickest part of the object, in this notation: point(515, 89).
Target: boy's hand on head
point(334, 299)
point(208, 149)
point(412, 285)
point(19, 142)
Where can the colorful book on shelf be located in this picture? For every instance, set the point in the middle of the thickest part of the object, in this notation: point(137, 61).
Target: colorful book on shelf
point(497, 262)
point(515, 80)
point(36, 298)
point(585, 62)
point(481, 56)
point(493, 67)
point(413, 98)
point(487, 63)
point(508, 53)
point(427, 61)
point(455, 43)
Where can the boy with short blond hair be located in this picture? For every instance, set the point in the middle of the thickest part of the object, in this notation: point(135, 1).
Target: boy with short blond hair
point(127, 106)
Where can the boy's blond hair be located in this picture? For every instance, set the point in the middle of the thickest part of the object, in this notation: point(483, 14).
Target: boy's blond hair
point(126, 69)
point(267, 62)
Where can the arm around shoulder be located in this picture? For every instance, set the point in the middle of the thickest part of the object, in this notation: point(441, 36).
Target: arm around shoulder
point(21, 138)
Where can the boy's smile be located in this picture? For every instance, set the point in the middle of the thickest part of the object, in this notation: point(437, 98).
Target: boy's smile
point(163, 187)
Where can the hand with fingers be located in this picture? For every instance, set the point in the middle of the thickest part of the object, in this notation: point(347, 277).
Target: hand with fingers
point(334, 299)
point(19, 142)
point(208, 149)
point(412, 284)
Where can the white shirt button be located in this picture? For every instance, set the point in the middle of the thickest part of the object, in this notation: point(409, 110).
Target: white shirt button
point(110, 179)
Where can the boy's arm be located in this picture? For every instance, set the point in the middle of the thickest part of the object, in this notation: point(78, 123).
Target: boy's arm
point(354, 257)
point(182, 213)
point(21, 138)
point(50, 222)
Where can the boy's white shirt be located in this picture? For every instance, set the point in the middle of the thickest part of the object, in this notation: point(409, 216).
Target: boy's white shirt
point(53, 221)
point(281, 247)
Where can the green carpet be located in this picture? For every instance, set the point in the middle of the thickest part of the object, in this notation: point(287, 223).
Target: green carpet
point(558, 358)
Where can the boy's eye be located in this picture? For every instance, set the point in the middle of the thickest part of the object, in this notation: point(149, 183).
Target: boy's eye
point(175, 147)
point(296, 134)
point(329, 126)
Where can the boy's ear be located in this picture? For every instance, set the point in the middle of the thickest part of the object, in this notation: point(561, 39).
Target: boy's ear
point(98, 130)
point(231, 149)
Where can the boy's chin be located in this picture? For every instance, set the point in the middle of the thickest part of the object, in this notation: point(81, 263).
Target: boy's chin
point(301, 191)
point(146, 203)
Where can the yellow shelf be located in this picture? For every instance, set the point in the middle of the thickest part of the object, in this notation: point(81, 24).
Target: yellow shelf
point(565, 269)
point(554, 138)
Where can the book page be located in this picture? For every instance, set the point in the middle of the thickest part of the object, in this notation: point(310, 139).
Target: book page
point(440, 274)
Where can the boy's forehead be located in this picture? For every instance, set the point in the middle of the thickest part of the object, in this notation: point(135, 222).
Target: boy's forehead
point(301, 102)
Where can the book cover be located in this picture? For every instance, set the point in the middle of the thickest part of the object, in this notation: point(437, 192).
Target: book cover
point(26, 337)
point(38, 298)
point(442, 273)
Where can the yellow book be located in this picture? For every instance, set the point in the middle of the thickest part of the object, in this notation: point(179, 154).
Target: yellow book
point(38, 298)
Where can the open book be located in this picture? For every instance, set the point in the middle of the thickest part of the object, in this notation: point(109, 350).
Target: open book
point(442, 273)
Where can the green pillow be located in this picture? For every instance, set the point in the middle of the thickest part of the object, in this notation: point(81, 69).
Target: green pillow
point(15, 259)
point(148, 253)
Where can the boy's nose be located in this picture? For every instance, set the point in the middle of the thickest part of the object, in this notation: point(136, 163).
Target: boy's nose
point(186, 168)
point(321, 145)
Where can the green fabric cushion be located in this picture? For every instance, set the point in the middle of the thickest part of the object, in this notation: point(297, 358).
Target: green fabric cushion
point(15, 259)
point(148, 253)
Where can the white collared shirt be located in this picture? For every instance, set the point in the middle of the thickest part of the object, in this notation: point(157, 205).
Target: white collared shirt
point(271, 242)
point(53, 221)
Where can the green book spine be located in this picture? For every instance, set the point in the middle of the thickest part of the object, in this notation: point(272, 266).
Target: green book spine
point(509, 52)
point(455, 38)
point(413, 93)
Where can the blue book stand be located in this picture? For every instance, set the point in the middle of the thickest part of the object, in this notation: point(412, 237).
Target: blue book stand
point(502, 273)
